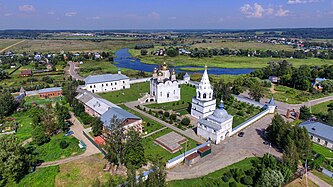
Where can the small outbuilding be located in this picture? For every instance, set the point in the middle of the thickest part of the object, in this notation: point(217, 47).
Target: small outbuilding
point(204, 151)
point(192, 158)
point(26, 73)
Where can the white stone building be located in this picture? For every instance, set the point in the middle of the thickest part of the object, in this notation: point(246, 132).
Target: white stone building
point(217, 126)
point(319, 133)
point(164, 86)
point(204, 103)
point(106, 82)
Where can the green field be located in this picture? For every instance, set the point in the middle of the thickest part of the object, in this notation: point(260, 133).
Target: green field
point(24, 119)
point(223, 61)
point(323, 177)
point(327, 153)
point(215, 176)
point(51, 151)
point(126, 95)
point(294, 96)
point(321, 108)
point(242, 45)
point(153, 126)
point(186, 94)
point(42, 177)
point(153, 150)
point(7, 42)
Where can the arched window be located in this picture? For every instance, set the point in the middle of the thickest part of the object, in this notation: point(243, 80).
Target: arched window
point(168, 95)
point(210, 95)
point(199, 95)
point(204, 96)
point(161, 94)
point(174, 92)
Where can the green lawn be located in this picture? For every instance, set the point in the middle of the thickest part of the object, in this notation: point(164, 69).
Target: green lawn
point(42, 177)
point(223, 61)
point(51, 151)
point(186, 94)
point(321, 108)
point(152, 150)
point(132, 94)
point(24, 119)
point(215, 176)
point(323, 177)
point(327, 153)
point(294, 96)
point(148, 129)
point(35, 99)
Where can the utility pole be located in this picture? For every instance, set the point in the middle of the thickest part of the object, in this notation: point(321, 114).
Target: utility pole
point(306, 172)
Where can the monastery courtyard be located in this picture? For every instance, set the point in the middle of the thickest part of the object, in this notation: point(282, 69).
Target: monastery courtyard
point(231, 150)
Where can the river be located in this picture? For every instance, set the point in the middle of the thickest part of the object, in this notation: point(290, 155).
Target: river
point(124, 59)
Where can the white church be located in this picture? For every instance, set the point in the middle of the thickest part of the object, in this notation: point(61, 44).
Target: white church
point(164, 86)
point(214, 124)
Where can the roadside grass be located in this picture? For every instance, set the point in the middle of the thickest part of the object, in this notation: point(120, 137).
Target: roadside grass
point(321, 108)
point(152, 150)
point(42, 177)
point(51, 151)
point(135, 92)
point(224, 61)
point(147, 128)
point(327, 153)
point(186, 94)
point(323, 177)
point(215, 176)
point(301, 182)
point(294, 96)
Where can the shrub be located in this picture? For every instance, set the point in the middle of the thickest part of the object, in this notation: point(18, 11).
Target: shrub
point(240, 113)
point(233, 184)
point(160, 112)
point(186, 121)
point(183, 102)
point(225, 178)
point(63, 144)
point(247, 180)
point(148, 124)
point(177, 102)
point(173, 116)
point(166, 114)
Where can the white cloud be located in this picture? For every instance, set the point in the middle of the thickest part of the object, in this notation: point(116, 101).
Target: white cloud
point(302, 1)
point(70, 14)
point(96, 18)
point(259, 11)
point(26, 8)
point(8, 14)
point(51, 13)
point(255, 11)
point(154, 15)
point(282, 12)
point(173, 17)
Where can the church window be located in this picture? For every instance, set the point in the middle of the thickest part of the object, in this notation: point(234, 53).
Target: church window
point(102, 85)
point(90, 86)
point(161, 94)
point(111, 84)
point(210, 95)
point(168, 95)
point(204, 95)
point(199, 95)
point(174, 92)
point(94, 86)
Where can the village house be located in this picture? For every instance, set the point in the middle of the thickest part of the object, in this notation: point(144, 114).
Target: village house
point(50, 92)
point(26, 73)
point(106, 82)
point(273, 79)
point(317, 84)
point(319, 133)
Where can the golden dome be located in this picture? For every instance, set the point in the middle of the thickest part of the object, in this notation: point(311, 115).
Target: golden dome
point(165, 66)
point(160, 74)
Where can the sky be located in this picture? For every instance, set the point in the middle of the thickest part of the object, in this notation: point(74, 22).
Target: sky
point(164, 14)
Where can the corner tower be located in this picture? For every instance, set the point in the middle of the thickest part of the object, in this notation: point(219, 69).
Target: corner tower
point(204, 103)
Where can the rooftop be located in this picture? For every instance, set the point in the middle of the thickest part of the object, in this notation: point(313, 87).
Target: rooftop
point(192, 156)
point(319, 129)
point(54, 89)
point(119, 113)
point(91, 79)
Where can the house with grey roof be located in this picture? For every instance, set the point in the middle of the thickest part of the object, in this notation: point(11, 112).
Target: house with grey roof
point(106, 82)
point(320, 133)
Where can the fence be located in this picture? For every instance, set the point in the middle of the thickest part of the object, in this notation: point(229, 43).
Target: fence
point(249, 101)
point(134, 81)
point(178, 159)
point(93, 142)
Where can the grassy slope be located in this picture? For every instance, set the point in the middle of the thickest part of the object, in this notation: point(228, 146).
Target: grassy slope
point(321, 108)
point(327, 153)
point(51, 151)
point(43, 177)
point(244, 164)
point(132, 94)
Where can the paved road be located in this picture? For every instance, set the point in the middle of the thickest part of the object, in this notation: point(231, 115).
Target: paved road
point(317, 180)
point(231, 150)
point(188, 134)
point(73, 71)
point(78, 129)
point(8, 47)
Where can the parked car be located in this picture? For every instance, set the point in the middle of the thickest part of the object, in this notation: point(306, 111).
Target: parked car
point(69, 133)
point(68, 123)
point(241, 134)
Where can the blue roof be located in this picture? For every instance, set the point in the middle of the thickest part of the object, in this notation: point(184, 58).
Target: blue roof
point(319, 129)
point(91, 79)
point(119, 113)
point(54, 89)
point(320, 79)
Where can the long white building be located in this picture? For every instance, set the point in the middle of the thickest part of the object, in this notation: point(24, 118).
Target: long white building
point(164, 86)
point(106, 82)
point(203, 104)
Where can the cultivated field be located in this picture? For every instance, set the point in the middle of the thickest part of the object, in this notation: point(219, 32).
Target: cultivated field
point(243, 45)
point(4, 43)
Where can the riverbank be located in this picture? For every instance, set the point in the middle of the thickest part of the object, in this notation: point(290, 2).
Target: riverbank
point(222, 61)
